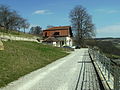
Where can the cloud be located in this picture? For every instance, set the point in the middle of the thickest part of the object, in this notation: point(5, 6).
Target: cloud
point(42, 12)
point(113, 30)
point(107, 11)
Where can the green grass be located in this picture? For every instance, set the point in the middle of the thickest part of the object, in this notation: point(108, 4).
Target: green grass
point(20, 58)
point(16, 33)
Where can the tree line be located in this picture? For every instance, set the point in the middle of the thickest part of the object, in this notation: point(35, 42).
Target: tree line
point(11, 20)
point(37, 30)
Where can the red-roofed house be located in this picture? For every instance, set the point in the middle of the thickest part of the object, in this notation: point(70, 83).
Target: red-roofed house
point(61, 33)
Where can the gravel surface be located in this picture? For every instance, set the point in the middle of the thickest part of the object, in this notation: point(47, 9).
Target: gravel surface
point(62, 74)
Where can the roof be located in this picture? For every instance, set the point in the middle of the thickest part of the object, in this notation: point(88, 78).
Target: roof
point(61, 31)
point(59, 28)
point(51, 39)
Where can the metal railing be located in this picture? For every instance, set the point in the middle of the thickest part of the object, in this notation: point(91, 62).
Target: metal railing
point(109, 68)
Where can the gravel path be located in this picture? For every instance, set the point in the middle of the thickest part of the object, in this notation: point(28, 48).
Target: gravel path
point(62, 74)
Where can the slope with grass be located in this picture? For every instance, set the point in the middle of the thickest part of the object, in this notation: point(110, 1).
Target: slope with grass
point(20, 58)
point(109, 48)
point(16, 33)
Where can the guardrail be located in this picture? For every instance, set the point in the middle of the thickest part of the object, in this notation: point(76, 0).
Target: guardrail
point(109, 68)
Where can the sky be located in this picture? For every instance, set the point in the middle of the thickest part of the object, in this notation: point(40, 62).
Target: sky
point(105, 13)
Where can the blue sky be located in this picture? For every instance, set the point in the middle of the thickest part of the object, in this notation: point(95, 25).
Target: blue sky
point(105, 13)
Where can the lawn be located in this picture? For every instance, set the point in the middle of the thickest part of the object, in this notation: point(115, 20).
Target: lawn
point(20, 58)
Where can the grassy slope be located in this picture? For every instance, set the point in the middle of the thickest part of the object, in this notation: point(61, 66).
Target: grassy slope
point(17, 34)
point(20, 58)
point(109, 49)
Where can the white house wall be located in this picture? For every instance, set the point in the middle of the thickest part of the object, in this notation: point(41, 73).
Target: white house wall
point(67, 41)
point(54, 44)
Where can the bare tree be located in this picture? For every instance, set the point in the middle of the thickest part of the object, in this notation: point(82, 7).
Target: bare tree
point(36, 30)
point(14, 21)
point(11, 20)
point(4, 16)
point(82, 24)
point(24, 24)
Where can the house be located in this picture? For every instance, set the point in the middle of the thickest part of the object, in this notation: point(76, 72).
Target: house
point(58, 36)
point(52, 41)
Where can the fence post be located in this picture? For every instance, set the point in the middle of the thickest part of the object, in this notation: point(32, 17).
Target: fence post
point(109, 69)
point(102, 63)
point(105, 65)
point(119, 77)
point(93, 55)
point(116, 78)
point(97, 57)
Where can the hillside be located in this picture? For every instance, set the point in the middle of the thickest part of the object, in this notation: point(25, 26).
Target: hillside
point(114, 40)
point(15, 33)
point(109, 46)
point(20, 58)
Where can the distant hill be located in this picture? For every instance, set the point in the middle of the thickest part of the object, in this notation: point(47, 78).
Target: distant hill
point(109, 46)
point(109, 38)
point(113, 40)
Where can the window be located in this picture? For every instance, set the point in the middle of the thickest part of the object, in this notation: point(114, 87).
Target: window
point(56, 33)
point(46, 34)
